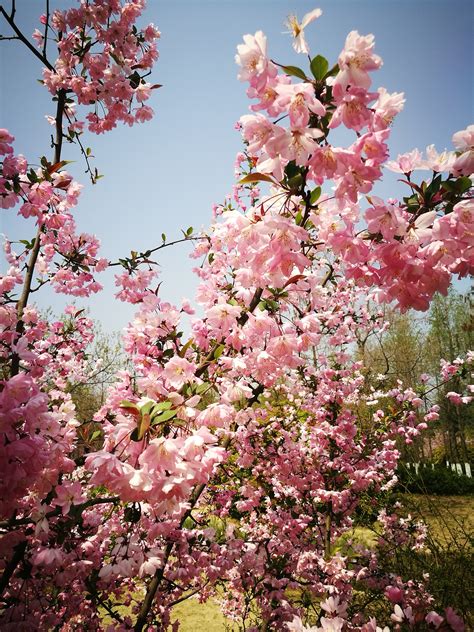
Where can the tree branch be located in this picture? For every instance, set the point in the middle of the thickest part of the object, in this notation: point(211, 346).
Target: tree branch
point(11, 21)
point(22, 303)
point(158, 576)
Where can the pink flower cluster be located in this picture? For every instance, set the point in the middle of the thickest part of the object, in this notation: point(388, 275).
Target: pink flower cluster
point(103, 61)
point(410, 250)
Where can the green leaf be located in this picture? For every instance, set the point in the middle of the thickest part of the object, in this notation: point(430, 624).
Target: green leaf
point(291, 169)
point(32, 177)
point(256, 177)
point(146, 408)
point(334, 70)
point(433, 187)
point(201, 388)
point(163, 237)
point(271, 305)
point(319, 67)
point(219, 351)
point(185, 347)
point(295, 182)
point(463, 184)
point(166, 405)
point(448, 185)
point(28, 244)
point(294, 71)
point(127, 404)
point(95, 435)
point(166, 415)
point(189, 231)
point(315, 195)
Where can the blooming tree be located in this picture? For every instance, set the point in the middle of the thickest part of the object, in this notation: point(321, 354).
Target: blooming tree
point(233, 462)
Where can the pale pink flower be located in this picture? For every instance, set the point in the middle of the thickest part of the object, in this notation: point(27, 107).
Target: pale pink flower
point(406, 163)
point(386, 219)
point(421, 231)
point(387, 107)
point(464, 164)
point(48, 557)
point(397, 615)
point(433, 618)
point(333, 605)
point(145, 113)
point(464, 143)
point(223, 316)
point(332, 625)
point(252, 58)
point(5, 140)
point(149, 566)
point(457, 399)
point(455, 621)
point(356, 60)
point(464, 139)
point(439, 162)
point(178, 371)
point(294, 144)
point(256, 130)
point(300, 101)
point(297, 29)
point(68, 494)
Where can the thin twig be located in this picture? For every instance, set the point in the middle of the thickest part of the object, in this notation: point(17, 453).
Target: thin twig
point(8, 524)
point(26, 42)
point(165, 245)
point(46, 27)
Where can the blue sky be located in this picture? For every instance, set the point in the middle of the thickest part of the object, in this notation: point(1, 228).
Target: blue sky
point(166, 174)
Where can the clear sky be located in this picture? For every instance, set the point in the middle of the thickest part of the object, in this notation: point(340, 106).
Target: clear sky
point(166, 174)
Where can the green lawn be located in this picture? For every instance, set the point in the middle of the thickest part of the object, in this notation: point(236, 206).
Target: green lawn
point(450, 519)
point(200, 617)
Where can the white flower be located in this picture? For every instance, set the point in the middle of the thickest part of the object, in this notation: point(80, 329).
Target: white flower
point(297, 29)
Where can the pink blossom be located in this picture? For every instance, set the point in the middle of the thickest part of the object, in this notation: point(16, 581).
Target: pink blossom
point(454, 620)
point(356, 60)
point(252, 58)
point(68, 494)
point(394, 594)
point(464, 139)
point(434, 619)
point(178, 371)
point(406, 163)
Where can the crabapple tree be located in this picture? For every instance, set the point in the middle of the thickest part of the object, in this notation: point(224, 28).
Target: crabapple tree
point(231, 461)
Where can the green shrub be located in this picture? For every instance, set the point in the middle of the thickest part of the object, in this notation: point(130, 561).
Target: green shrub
point(439, 480)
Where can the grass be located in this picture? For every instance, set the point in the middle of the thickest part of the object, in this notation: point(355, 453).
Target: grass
point(197, 617)
point(450, 519)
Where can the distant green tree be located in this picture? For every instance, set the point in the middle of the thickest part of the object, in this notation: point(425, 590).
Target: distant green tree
point(451, 334)
point(413, 345)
